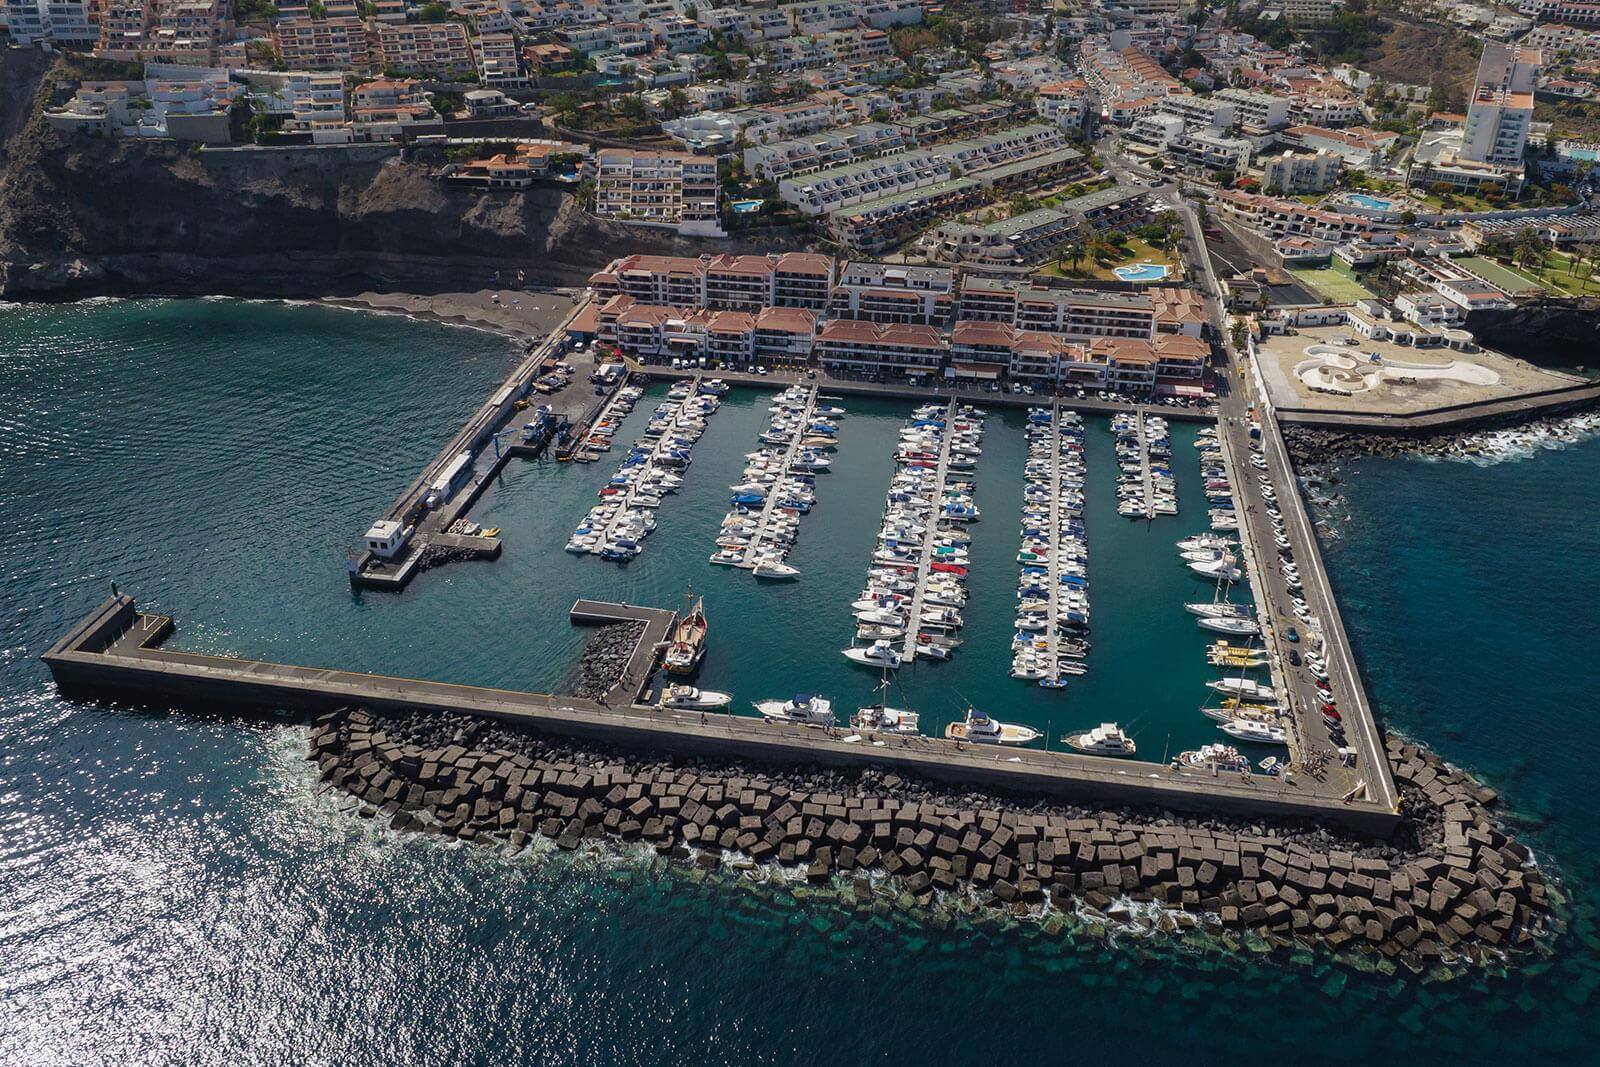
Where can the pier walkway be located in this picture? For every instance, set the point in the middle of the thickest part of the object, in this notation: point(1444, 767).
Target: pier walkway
point(1053, 632)
point(758, 544)
point(1142, 422)
point(115, 652)
point(925, 561)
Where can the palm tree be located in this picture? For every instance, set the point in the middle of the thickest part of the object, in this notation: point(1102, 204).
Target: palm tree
point(1075, 252)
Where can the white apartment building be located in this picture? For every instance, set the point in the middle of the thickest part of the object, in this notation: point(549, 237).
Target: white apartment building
point(1500, 113)
point(1200, 112)
point(659, 188)
point(800, 155)
point(1212, 151)
point(1293, 174)
point(1259, 110)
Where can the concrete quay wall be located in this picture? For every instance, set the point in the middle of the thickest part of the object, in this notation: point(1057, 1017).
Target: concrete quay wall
point(190, 679)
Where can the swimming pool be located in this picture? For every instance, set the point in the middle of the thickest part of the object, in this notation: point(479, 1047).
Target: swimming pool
point(746, 207)
point(1376, 203)
point(1144, 272)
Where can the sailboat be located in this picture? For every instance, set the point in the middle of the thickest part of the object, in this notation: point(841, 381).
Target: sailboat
point(688, 645)
point(879, 718)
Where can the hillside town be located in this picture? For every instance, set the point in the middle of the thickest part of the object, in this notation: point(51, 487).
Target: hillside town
point(1009, 193)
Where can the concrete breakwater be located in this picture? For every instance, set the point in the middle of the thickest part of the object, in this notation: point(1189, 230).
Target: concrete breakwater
point(1451, 884)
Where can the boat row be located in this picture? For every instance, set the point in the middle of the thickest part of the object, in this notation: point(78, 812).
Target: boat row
point(607, 424)
point(1146, 487)
point(615, 529)
point(778, 485)
point(1218, 483)
point(1052, 623)
point(915, 592)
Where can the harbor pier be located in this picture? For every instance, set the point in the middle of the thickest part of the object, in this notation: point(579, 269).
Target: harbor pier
point(118, 652)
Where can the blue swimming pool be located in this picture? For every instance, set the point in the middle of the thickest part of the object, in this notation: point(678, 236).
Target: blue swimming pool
point(1144, 272)
point(746, 207)
point(1376, 203)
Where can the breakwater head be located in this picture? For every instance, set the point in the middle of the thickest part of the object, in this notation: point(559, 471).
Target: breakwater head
point(1449, 885)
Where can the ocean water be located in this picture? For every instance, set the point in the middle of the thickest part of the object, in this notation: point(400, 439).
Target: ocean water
point(176, 888)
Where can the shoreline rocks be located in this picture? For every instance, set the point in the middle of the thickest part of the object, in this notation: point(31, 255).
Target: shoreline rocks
point(1309, 445)
point(1451, 884)
point(605, 659)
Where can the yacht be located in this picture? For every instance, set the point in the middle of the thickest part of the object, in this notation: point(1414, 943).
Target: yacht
point(881, 719)
point(879, 654)
point(805, 709)
point(1224, 567)
point(1219, 609)
point(775, 570)
point(1215, 756)
point(688, 698)
point(1236, 627)
point(1253, 730)
point(1107, 739)
point(978, 727)
point(1244, 688)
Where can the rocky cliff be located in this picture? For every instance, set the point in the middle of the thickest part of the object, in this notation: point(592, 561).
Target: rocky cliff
point(84, 216)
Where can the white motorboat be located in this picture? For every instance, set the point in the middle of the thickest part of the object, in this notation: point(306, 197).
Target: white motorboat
point(1214, 757)
point(1256, 731)
point(979, 727)
point(773, 569)
point(806, 709)
point(1107, 739)
point(1243, 688)
point(1235, 627)
point(688, 698)
point(1223, 568)
point(878, 654)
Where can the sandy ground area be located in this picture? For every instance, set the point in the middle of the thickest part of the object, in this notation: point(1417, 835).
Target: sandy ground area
point(514, 312)
point(1280, 354)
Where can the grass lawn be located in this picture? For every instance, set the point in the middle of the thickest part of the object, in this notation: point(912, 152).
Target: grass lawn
point(1331, 284)
point(1553, 272)
point(1135, 252)
point(1513, 280)
point(1458, 202)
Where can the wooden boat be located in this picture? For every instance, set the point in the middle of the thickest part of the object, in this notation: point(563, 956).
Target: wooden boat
point(688, 644)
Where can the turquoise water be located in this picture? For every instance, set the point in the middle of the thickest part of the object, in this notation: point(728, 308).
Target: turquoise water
point(1144, 272)
point(746, 207)
point(175, 889)
point(1377, 203)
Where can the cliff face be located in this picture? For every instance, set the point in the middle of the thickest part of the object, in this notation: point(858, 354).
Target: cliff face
point(84, 216)
point(1560, 334)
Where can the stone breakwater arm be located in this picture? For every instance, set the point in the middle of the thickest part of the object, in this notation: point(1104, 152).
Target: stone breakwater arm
point(1455, 886)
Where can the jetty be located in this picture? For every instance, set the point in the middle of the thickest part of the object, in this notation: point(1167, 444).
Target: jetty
point(533, 409)
point(758, 546)
point(117, 652)
point(925, 560)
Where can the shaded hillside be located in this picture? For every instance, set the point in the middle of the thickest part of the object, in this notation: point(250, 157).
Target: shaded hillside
point(85, 215)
